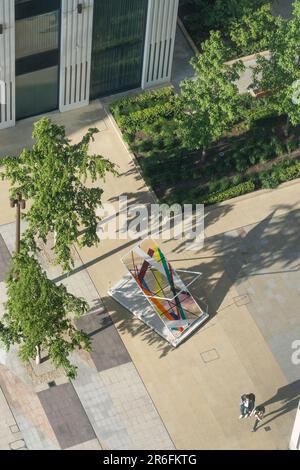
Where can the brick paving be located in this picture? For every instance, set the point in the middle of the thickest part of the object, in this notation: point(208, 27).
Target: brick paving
point(4, 260)
point(228, 356)
point(66, 415)
point(10, 434)
point(107, 406)
point(108, 351)
point(119, 408)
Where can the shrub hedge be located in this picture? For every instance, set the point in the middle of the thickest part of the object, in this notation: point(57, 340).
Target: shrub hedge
point(242, 188)
point(129, 104)
point(136, 121)
point(165, 162)
point(278, 174)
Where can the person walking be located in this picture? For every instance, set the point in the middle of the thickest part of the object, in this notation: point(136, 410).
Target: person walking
point(258, 413)
point(251, 406)
point(247, 405)
point(244, 403)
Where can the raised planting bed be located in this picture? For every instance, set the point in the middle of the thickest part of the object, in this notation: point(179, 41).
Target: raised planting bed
point(242, 161)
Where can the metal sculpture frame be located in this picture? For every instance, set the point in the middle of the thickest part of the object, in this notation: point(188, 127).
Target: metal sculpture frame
point(166, 305)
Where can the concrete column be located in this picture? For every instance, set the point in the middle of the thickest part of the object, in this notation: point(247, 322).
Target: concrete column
point(7, 64)
point(295, 439)
point(76, 50)
point(159, 42)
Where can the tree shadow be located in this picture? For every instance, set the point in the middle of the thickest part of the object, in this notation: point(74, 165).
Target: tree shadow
point(97, 260)
point(249, 251)
point(126, 324)
point(226, 260)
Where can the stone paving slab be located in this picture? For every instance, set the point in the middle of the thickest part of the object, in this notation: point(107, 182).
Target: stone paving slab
point(66, 415)
point(4, 260)
point(89, 445)
point(10, 433)
point(264, 262)
point(108, 349)
point(245, 361)
point(120, 409)
point(107, 406)
point(28, 412)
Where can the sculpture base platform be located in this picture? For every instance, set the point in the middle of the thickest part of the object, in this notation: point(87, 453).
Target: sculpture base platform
point(128, 294)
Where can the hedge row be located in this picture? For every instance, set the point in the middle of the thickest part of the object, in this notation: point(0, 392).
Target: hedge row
point(148, 99)
point(137, 120)
point(287, 171)
point(243, 188)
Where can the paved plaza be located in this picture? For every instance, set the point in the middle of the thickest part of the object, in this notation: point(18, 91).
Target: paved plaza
point(134, 390)
point(106, 407)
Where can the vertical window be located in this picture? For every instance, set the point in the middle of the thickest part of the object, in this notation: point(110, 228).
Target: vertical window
point(37, 56)
point(118, 45)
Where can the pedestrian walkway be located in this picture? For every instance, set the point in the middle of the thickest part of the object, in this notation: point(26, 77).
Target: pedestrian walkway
point(283, 8)
point(10, 436)
point(183, 54)
point(106, 407)
point(232, 354)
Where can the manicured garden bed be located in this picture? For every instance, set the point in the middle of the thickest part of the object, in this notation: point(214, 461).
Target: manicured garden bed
point(246, 159)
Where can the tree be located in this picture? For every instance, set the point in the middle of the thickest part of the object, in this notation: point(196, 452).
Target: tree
point(213, 15)
point(52, 174)
point(280, 72)
point(37, 315)
point(253, 32)
point(210, 101)
point(224, 12)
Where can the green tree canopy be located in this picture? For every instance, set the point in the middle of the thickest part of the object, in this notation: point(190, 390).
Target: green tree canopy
point(253, 32)
point(204, 16)
point(217, 14)
point(53, 175)
point(210, 101)
point(279, 73)
point(37, 315)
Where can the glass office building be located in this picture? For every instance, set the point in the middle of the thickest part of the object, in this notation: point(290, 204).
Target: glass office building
point(59, 54)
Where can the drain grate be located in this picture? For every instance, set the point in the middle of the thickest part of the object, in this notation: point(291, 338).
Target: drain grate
point(242, 300)
point(209, 356)
point(14, 428)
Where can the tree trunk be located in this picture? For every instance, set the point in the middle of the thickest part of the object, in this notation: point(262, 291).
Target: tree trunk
point(287, 127)
point(38, 355)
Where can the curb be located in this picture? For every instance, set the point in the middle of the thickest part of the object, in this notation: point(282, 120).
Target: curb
point(187, 36)
point(245, 58)
point(131, 154)
point(253, 194)
point(250, 57)
point(233, 200)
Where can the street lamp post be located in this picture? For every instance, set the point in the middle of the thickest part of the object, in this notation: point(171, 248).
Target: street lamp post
point(19, 203)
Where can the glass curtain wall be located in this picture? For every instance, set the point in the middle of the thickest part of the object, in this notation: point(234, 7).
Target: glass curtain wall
point(37, 56)
point(118, 45)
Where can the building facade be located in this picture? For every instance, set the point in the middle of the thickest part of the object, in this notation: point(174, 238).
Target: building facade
point(60, 54)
